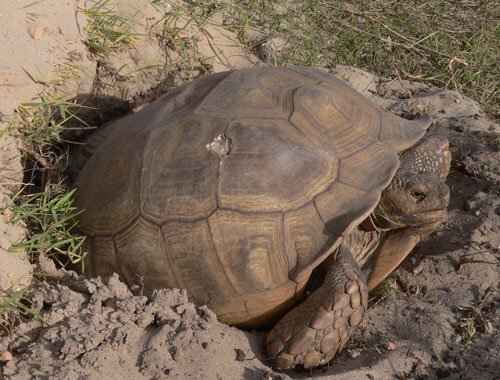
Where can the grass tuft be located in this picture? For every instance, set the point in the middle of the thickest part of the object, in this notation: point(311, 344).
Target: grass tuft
point(42, 127)
point(44, 121)
point(50, 218)
point(380, 293)
point(106, 29)
point(181, 30)
point(44, 204)
point(13, 308)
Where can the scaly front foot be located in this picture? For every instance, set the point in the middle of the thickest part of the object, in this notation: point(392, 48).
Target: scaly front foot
point(312, 333)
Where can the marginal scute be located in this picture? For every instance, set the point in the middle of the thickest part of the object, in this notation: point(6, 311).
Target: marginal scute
point(318, 74)
point(195, 265)
point(234, 312)
point(114, 170)
point(185, 97)
point(371, 168)
point(251, 249)
point(400, 133)
point(180, 181)
point(107, 261)
point(268, 304)
point(343, 207)
point(140, 250)
point(306, 238)
point(271, 167)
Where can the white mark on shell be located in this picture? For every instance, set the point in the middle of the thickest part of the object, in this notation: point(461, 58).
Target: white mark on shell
point(220, 145)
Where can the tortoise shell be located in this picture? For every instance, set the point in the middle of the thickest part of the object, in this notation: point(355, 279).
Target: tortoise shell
point(237, 185)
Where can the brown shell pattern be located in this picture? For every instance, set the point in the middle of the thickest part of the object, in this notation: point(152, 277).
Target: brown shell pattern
point(308, 158)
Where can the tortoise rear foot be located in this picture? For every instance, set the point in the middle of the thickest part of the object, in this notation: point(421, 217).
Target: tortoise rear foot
point(312, 333)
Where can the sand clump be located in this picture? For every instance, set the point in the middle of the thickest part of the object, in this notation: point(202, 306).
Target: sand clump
point(100, 330)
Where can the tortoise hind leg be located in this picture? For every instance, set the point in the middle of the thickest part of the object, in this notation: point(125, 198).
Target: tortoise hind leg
point(313, 332)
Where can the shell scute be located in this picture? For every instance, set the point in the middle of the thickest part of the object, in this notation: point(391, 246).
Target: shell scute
point(180, 179)
point(194, 262)
point(306, 238)
point(251, 249)
point(140, 250)
point(344, 207)
point(370, 168)
point(112, 201)
point(264, 93)
point(271, 167)
point(338, 125)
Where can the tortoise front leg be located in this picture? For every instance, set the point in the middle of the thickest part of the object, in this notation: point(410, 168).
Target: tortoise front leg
point(394, 249)
point(313, 332)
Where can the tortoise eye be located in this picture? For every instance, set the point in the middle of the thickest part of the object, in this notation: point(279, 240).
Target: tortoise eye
point(418, 195)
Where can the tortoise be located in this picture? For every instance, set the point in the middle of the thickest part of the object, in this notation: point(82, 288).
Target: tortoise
point(245, 186)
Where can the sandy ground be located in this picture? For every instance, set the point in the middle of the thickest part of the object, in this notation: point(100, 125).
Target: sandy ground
point(439, 316)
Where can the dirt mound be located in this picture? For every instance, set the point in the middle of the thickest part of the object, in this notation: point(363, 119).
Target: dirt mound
point(100, 330)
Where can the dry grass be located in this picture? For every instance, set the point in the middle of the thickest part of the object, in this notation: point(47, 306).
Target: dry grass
point(451, 44)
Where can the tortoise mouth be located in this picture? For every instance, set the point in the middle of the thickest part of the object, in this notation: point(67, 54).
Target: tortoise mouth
point(414, 219)
point(430, 216)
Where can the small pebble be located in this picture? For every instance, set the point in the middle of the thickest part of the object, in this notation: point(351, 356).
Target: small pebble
point(240, 355)
point(353, 354)
point(488, 327)
point(5, 357)
point(390, 346)
point(35, 32)
point(418, 268)
point(273, 51)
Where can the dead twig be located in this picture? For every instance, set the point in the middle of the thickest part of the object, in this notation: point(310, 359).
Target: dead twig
point(467, 259)
point(420, 78)
point(410, 45)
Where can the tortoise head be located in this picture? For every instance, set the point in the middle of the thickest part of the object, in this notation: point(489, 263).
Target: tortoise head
point(417, 194)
